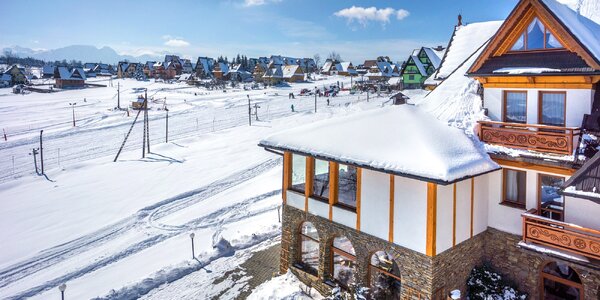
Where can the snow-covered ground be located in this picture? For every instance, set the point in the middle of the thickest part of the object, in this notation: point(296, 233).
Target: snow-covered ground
point(121, 230)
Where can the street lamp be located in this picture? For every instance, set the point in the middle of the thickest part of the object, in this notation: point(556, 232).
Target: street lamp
point(73, 106)
point(62, 289)
point(192, 237)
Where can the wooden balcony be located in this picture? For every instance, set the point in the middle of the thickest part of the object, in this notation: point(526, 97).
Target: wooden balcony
point(542, 138)
point(560, 235)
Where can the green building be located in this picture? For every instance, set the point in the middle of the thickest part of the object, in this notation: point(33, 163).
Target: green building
point(420, 65)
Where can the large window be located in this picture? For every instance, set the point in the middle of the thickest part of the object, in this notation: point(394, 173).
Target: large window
point(559, 281)
point(514, 187)
point(550, 203)
point(309, 247)
point(384, 276)
point(298, 173)
point(347, 185)
point(343, 261)
point(536, 37)
point(552, 108)
point(320, 189)
point(515, 107)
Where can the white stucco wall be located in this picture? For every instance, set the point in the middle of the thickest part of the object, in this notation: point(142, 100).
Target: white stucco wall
point(344, 217)
point(582, 212)
point(318, 208)
point(375, 203)
point(480, 203)
point(500, 216)
point(410, 213)
point(579, 102)
point(463, 210)
point(295, 200)
point(445, 211)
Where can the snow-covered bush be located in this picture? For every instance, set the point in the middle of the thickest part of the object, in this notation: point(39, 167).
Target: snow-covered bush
point(485, 283)
point(353, 293)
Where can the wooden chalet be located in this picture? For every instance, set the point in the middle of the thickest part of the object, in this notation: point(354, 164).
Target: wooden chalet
point(64, 79)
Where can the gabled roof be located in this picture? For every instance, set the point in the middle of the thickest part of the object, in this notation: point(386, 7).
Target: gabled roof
point(415, 59)
point(419, 147)
point(289, 70)
point(575, 32)
point(585, 183)
point(433, 56)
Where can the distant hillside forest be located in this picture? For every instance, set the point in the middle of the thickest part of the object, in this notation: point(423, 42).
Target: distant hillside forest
point(9, 59)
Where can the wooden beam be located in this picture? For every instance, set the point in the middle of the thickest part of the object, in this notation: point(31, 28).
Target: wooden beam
point(454, 215)
point(534, 167)
point(309, 176)
point(333, 186)
point(430, 244)
point(358, 194)
point(472, 202)
point(287, 175)
point(391, 210)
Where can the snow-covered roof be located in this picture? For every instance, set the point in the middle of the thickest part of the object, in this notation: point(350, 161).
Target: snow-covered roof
point(345, 67)
point(289, 70)
point(419, 65)
point(585, 183)
point(584, 29)
point(433, 57)
point(5, 77)
point(419, 147)
point(64, 73)
point(327, 66)
point(465, 41)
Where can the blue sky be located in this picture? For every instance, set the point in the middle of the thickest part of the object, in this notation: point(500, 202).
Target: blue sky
point(357, 29)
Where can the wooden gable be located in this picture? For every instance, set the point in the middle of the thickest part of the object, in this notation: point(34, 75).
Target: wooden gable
point(518, 21)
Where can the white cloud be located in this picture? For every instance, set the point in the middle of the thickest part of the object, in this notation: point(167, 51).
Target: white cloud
point(364, 15)
point(258, 2)
point(176, 43)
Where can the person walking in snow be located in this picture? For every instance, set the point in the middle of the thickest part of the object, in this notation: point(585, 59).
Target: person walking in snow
point(327, 101)
point(292, 107)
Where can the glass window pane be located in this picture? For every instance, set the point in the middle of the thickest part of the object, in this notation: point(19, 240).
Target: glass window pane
point(309, 229)
point(514, 186)
point(551, 41)
point(515, 107)
point(321, 179)
point(347, 185)
point(310, 254)
point(383, 285)
point(519, 44)
point(551, 203)
point(344, 244)
point(553, 109)
point(343, 269)
point(298, 172)
point(535, 35)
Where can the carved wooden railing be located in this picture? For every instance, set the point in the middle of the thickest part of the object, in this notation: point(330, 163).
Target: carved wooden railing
point(565, 236)
point(544, 138)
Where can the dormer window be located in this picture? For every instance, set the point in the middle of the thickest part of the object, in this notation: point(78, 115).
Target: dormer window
point(536, 37)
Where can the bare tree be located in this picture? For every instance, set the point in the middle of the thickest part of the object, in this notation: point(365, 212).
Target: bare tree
point(9, 56)
point(335, 56)
point(317, 59)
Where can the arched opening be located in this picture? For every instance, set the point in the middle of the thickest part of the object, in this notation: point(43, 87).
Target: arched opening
point(384, 276)
point(309, 248)
point(559, 281)
point(343, 261)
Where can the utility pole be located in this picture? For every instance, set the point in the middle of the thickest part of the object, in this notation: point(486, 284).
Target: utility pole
point(119, 95)
point(73, 106)
point(249, 111)
point(34, 152)
point(316, 90)
point(41, 152)
point(167, 127)
point(147, 121)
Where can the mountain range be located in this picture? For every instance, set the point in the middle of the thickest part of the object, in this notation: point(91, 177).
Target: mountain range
point(82, 53)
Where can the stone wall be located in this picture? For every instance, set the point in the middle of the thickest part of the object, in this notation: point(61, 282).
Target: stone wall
point(424, 277)
point(523, 266)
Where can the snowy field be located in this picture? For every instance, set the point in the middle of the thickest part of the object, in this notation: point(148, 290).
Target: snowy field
point(121, 230)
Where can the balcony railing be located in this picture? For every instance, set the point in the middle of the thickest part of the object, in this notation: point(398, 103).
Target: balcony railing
point(543, 138)
point(560, 235)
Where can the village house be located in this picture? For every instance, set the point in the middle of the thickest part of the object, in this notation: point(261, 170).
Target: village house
point(104, 70)
point(346, 69)
point(149, 69)
point(221, 71)
point(273, 75)
point(64, 79)
point(204, 66)
point(186, 66)
point(259, 71)
point(128, 70)
point(410, 213)
point(170, 70)
point(237, 73)
point(15, 74)
point(292, 73)
point(330, 67)
point(420, 65)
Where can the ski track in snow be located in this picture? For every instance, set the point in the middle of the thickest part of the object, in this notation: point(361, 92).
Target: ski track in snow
point(147, 220)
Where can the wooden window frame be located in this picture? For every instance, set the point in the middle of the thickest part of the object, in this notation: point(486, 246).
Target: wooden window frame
point(343, 253)
point(504, 101)
point(509, 202)
point(372, 267)
point(304, 268)
point(336, 201)
point(539, 197)
point(526, 37)
point(543, 275)
point(540, 94)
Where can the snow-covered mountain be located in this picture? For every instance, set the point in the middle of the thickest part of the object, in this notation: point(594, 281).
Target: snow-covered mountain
point(83, 53)
point(587, 8)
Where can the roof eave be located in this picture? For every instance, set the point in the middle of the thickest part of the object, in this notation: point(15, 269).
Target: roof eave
point(271, 148)
point(576, 195)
